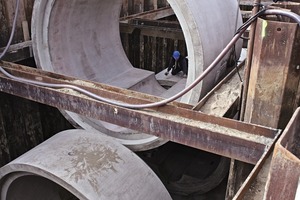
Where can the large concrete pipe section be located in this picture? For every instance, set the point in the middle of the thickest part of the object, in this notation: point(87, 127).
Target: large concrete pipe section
point(77, 164)
point(81, 38)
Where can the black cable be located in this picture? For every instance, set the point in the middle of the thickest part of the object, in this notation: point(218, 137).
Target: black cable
point(139, 106)
point(251, 19)
point(245, 38)
point(236, 65)
point(259, 5)
point(275, 1)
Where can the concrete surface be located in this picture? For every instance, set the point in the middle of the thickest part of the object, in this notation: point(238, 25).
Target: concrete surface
point(81, 39)
point(77, 164)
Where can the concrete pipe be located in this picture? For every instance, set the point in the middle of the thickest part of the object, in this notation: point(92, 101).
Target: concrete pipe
point(77, 164)
point(81, 38)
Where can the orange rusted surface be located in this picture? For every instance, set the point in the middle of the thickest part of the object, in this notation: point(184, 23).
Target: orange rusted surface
point(285, 167)
point(174, 122)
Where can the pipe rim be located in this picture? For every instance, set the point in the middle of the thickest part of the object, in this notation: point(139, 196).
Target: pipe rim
point(42, 21)
point(80, 163)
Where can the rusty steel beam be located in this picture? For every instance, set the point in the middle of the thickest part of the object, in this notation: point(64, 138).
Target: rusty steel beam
point(284, 173)
point(245, 187)
point(274, 77)
point(175, 122)
point(249, 60)
point(273, 86)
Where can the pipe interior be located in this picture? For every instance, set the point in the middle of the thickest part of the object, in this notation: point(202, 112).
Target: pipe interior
point(36, 187)
point(87, 164)
point(82, 39)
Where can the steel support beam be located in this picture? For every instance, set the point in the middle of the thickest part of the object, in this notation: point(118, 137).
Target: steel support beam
point(272, 93)
point(273, 85)
point(174, 122)
point(283, 180)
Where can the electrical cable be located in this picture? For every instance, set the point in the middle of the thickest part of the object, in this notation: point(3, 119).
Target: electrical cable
point(233, 52)
point(251, 20)
point(136, 106)
point(285, 13)
point(245, 38)
point(238, 34)
point(237, 15)
point(12, 30)
point(259, 5)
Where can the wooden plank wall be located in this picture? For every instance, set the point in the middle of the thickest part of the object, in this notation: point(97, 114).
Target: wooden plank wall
point(131, 7)
point(144, 51)
point(24, 124)
point(148, 52)
point(20, 120)
point(7, 11)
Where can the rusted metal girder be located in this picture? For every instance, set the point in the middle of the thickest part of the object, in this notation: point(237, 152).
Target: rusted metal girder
point(274, 75)
point(272, 93)
point(284, 175)
point(175, 122)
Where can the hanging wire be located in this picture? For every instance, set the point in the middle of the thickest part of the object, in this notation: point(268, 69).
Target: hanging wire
point(12, 30)
point(231, 44)
point(235, 59)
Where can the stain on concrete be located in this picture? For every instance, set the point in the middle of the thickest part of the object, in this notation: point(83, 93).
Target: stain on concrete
point(90, 161)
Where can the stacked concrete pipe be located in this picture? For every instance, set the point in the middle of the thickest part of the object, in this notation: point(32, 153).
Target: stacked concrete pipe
point(82, 39)
point(77, 164)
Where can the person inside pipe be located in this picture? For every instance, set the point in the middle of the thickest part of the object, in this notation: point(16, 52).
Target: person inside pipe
point(177, 64)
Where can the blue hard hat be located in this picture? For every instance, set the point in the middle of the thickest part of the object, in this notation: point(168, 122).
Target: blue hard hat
point(176, 54)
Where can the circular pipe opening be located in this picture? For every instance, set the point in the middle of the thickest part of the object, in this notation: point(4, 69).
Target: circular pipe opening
point(36, 187)
point(82, 39)
point(82, 164)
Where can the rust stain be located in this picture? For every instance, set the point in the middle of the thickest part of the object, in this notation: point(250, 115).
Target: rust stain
point(90, 161)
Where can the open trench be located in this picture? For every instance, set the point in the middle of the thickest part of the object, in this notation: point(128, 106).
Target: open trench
point(82, 39)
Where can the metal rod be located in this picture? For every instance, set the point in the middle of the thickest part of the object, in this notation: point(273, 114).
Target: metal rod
point(248, 61)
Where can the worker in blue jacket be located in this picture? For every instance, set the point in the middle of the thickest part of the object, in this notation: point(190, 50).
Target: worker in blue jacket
point(177, 63)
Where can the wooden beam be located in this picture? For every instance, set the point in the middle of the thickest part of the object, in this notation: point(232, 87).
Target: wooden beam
point(16, 47)
point(155, 5)
point(153, 14)
point(153, 31)
point(138, 6)
point(125, 8)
